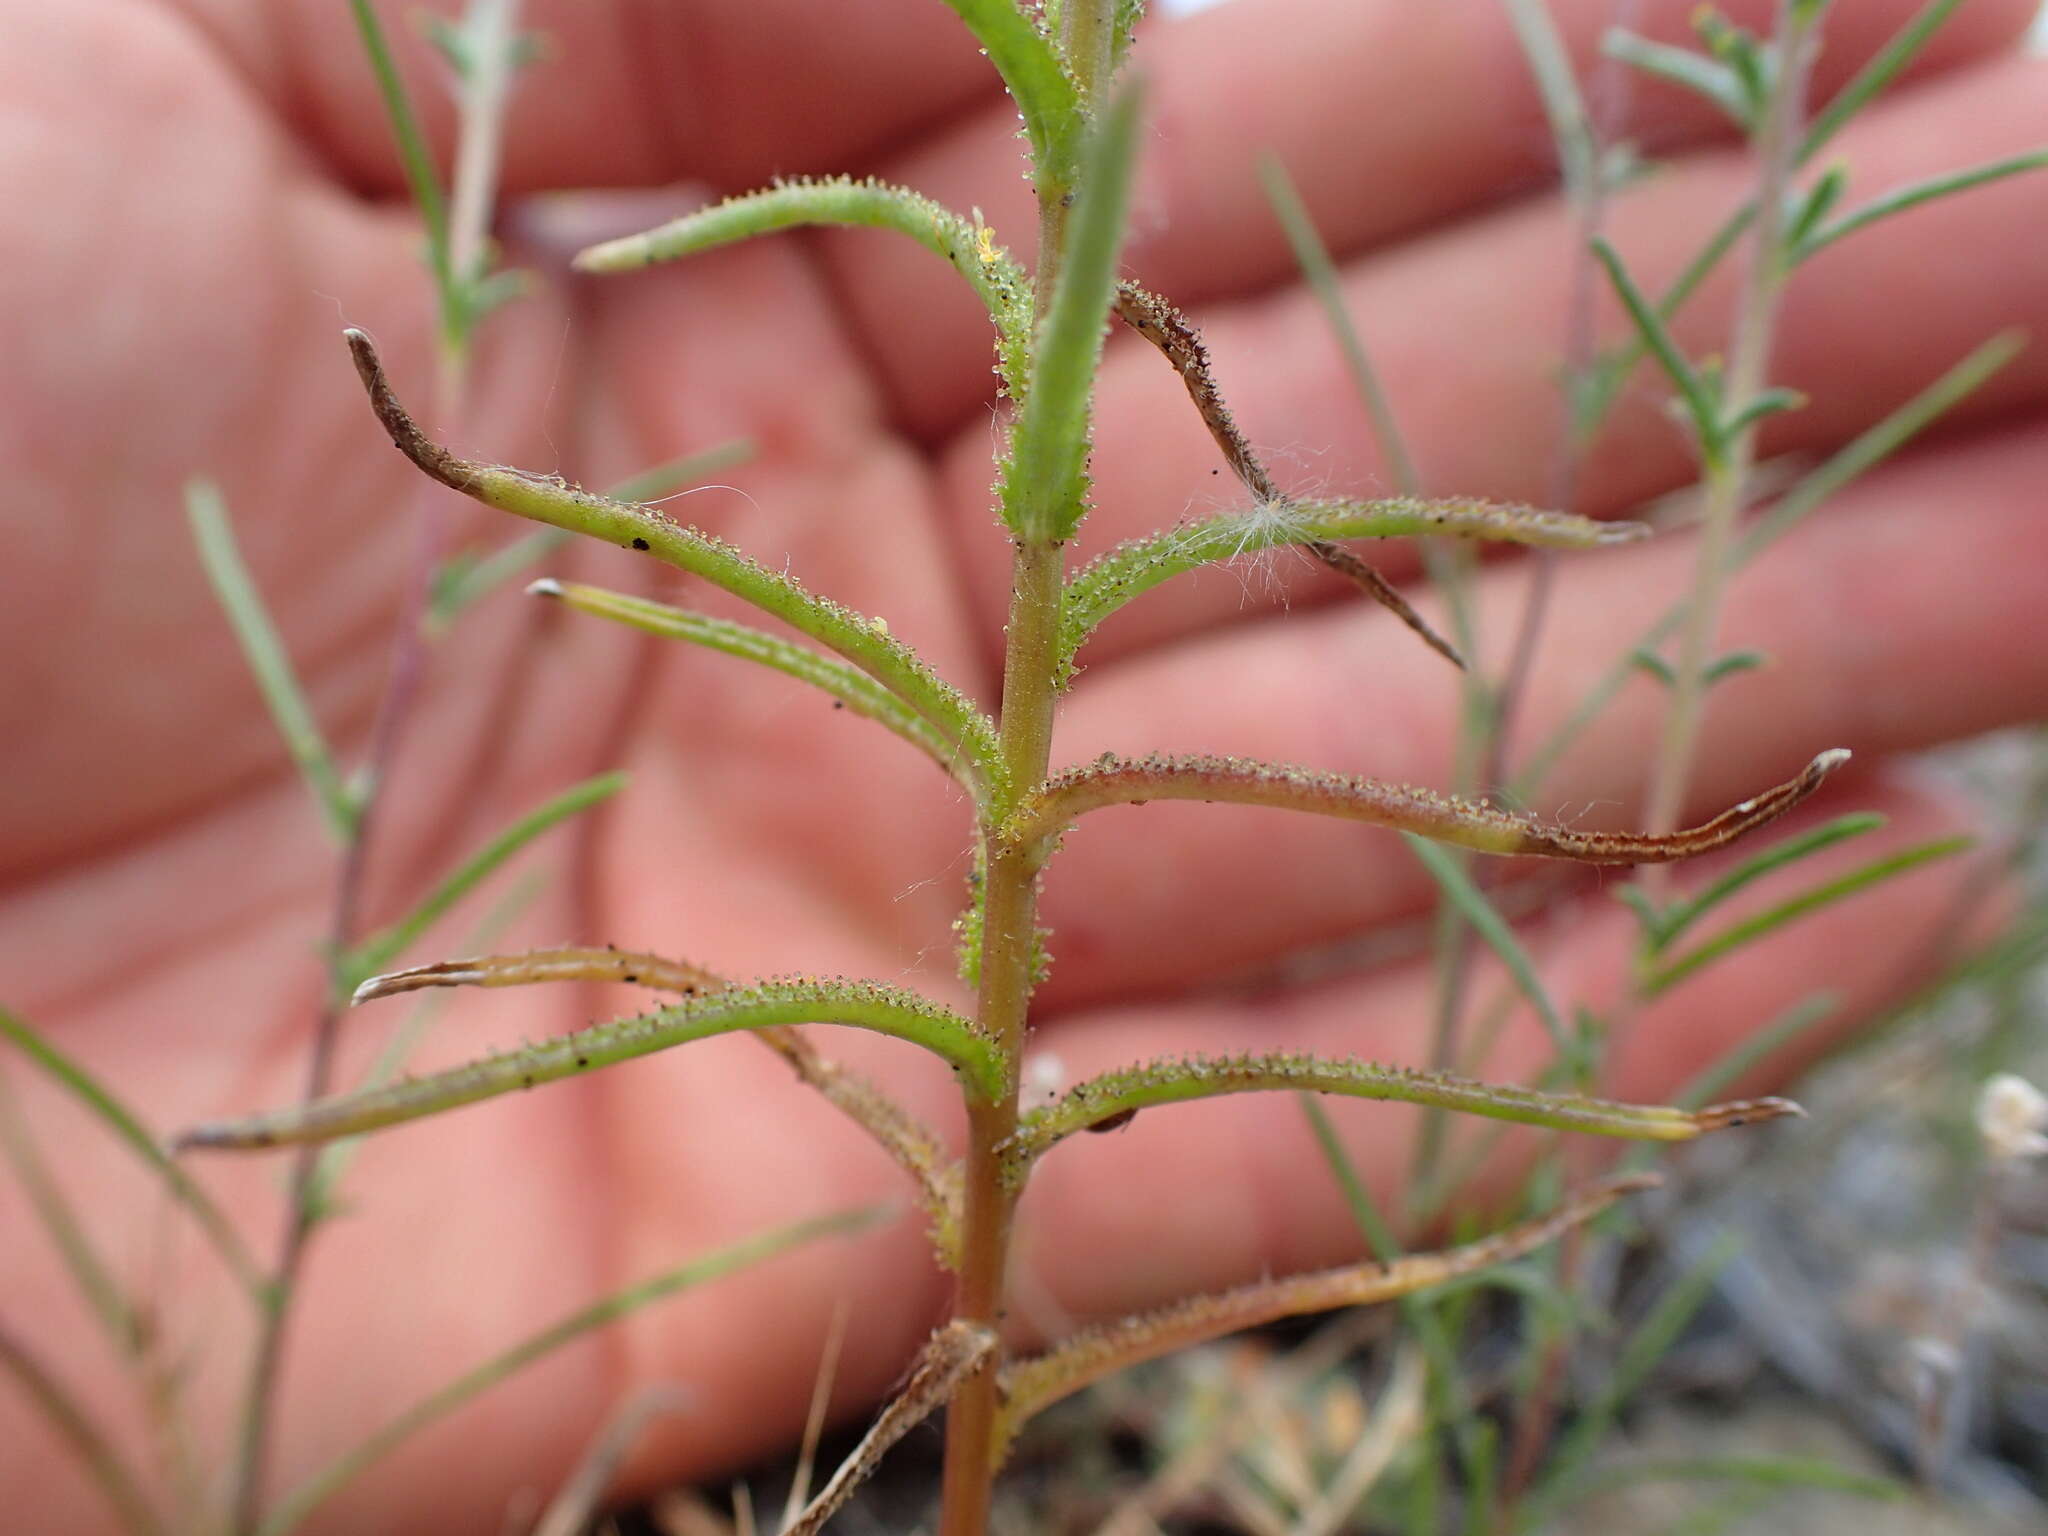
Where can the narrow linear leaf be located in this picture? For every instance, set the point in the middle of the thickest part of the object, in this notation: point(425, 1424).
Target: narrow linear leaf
point(127, 1129)
point(1463, 893)
point(1877, 443)
point(1447, 819)
point(848, 685)
point(1450, 1403)
point(1313, 257)
point(1604, 385)
point(577, 1505)
point(862, 1005)
point(964, 244)
point(464, 580)
point(61, 1411)
point(1030, 1386)
point(321, 1199)
point(1177, 1080)
point(1816, 205)
point(1769, 402)
point(1695, 72)
point(863, 641)
point(1700, 402)
point(376, 951)
point(1682, 915)
point(264, 651)
point(1842, 468)
point(295, 1506)
point(905, 1138)
point(1747, 932)
point(948, 1358)
point(1648, 1344)
point(1761, 1471)
point(1913, 195)
point(1037, 81)
point(1564, 105)
point(1884, 67)
point(1168, 330)
point(1045, 474)
point(420, 174)
point(60, 1220)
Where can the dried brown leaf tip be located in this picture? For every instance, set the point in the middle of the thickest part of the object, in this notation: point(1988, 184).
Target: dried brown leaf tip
point(1725, 1117)
point(628, 967)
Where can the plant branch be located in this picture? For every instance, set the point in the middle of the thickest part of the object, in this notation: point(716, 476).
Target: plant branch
point(848, 685)
point(863, 641)
point(906, 1139)
point(804, 1000)
point(1443, 818)
point(1116, 1095)
point(1031, 1386)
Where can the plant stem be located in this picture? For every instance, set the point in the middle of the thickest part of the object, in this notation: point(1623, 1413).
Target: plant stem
point(1009, 945)
point(1727, 472)
point(459, 264)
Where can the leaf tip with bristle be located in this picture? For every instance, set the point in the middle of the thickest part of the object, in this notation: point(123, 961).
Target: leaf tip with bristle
point(547, 586)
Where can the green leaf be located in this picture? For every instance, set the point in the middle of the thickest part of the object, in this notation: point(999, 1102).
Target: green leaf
point(863, 641)
point(1133, 568)
point(376, 951)
point(847, 685)
point(1458, 889)
point(1179, 1080)
point(1755, 1048)
point(1313, 257)
point(967, 245)
point(60, 1220)
point(1768, 402)
point(1726, 943)
point(1037, 81)
point(1780, 855)
point(295, 1506)
point(1762, 1471)
point(1884, 67)
point(1650, 1342)
point(465, 579)
point(58, 1408)
point(1700, 401)
point(1591, 403)
point(127, 1129)
point(1817, 204)
point(265, 654)
point(804, 1000)
point(420, 174)
point(1695, 72)
point(1045, 475)
point(1913, 194)
point(1843, 467)
point(1564, 105)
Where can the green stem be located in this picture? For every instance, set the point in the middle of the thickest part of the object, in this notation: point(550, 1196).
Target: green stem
point(1008, 971)
point(1749, 359)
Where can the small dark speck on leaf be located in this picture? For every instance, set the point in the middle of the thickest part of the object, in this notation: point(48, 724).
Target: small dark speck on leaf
point(629, 978)
point(639, 543)
point(1115, 1122)
point(839, 703)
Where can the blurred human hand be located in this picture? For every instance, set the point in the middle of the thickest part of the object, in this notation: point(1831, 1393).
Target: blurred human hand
point(203, 193)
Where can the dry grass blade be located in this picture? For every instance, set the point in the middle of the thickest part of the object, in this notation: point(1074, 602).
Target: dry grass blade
point(945, 1361)
point(575, 1506)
